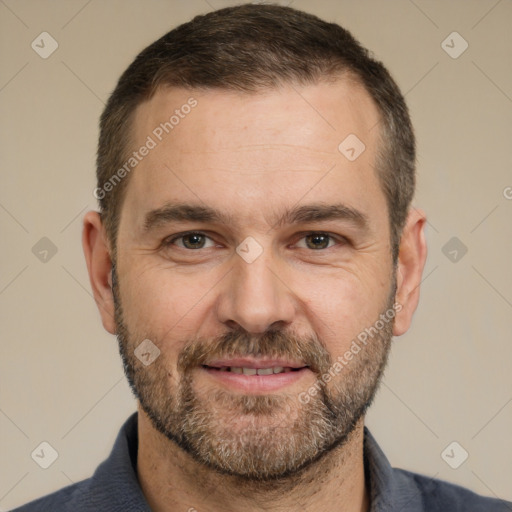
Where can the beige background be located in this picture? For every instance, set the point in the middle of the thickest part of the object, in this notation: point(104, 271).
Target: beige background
point(449, 377)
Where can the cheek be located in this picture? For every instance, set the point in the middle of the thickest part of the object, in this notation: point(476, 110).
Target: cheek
point(340, 308)
point(160, 303)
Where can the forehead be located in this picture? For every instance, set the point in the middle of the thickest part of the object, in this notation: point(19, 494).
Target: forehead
point(327, 110)
point(245, 152)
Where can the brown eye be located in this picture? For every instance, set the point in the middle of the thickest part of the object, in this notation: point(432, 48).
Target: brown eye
point(317, 241)
point(190, 241)
point(193, 241)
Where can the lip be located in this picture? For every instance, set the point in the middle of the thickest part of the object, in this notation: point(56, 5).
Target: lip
point(248, 362)
point(255, 384)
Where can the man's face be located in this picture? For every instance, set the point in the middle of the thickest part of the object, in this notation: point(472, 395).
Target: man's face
point(275, 284)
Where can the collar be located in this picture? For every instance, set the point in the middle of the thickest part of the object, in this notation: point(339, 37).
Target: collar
point(390, 489)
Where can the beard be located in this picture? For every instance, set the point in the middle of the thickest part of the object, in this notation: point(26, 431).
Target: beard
point(258, 438)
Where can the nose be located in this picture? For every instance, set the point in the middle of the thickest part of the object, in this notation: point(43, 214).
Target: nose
point(256, 297)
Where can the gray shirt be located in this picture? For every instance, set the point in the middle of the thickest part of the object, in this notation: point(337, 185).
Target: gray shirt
point(114, 486)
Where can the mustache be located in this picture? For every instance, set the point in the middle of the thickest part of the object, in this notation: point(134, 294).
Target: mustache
point(272, 344)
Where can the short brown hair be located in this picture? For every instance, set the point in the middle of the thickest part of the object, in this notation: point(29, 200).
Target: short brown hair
point(250, 48)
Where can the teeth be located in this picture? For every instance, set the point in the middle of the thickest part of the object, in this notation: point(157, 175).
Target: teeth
point(255, 371)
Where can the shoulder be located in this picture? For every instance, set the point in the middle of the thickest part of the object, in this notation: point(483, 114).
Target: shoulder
point(67, 499)
point(399, 489)
point(113, 487)
point(439, 495)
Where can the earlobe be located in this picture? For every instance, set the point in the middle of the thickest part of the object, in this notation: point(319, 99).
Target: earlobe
point(411, 261)
point(99, 265)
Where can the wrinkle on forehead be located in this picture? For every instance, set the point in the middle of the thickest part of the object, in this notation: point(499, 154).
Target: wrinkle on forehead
point(274, 147)
point(282, 117)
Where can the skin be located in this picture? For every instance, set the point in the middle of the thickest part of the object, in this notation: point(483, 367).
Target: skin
point(253, 157)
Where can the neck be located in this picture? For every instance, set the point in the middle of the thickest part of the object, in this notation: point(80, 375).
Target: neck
point(172, 480)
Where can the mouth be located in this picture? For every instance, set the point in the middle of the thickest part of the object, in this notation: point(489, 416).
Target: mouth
point(255, 376)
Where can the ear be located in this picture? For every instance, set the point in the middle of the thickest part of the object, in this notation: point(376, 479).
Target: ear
point(99, 266)
point(411, 261)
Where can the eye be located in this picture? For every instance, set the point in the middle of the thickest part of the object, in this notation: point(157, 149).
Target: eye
point(194, 240)
point(191, 240)
point(317, 241)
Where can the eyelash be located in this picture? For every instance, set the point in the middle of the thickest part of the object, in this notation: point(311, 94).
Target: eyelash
point(170, 241)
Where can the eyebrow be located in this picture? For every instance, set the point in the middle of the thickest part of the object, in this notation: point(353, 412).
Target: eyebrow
point(183, 212)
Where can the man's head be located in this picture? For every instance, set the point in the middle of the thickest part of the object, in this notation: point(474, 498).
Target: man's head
point(255, 48)
point(256, 279)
